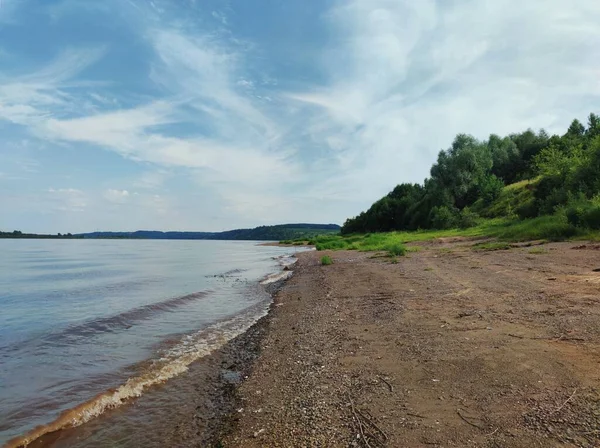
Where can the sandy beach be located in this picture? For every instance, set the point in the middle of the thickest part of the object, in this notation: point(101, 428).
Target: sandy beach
point(447, 347)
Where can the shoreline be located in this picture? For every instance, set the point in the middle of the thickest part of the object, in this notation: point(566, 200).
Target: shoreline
point(448, 346)
point(220, 371)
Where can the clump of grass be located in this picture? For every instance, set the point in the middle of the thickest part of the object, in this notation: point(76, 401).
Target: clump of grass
point(487, 247)
point(553, 228)
point(396, 249)
point(326, 260)
point(394, 260)
point(538, 251)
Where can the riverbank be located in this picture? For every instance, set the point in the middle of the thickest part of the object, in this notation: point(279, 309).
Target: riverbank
point(448, 346)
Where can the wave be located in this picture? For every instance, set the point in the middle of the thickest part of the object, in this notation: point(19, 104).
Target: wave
point(171, 363)
point(75, 333)
point(272, 278)
point(126, 319)
point(233, 273)
point(286, 260)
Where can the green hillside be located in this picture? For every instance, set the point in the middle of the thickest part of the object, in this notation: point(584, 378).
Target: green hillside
point(552, 180)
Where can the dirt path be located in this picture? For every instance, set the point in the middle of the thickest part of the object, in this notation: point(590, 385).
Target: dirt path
point(448, 347)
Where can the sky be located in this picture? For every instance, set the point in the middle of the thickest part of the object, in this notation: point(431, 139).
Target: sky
point(210, 115)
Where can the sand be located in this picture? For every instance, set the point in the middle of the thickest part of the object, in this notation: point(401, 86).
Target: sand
point(447, 347)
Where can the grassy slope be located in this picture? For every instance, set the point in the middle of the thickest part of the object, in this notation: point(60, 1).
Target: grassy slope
point(502, 225)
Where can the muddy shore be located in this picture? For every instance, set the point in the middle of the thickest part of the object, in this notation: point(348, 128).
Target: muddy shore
point(447, 347)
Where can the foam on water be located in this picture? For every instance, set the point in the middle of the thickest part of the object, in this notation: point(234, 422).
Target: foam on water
point(174, 361)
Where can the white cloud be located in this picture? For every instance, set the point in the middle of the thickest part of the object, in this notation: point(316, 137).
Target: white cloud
point(31, 98)
point(116, 196)
point(401, 79)
point(67, 199)
point(405, 77)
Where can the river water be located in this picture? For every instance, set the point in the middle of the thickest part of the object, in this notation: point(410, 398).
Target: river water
point(89, 325)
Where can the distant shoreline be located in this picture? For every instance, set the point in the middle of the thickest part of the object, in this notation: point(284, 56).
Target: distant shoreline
point(273, 233)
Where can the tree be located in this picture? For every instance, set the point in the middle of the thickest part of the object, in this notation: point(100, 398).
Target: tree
point(576, 129)
point(593, 126)
point(505, 158)
point(460, 169)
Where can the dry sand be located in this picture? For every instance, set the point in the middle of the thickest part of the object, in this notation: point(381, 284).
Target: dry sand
point(448, 347)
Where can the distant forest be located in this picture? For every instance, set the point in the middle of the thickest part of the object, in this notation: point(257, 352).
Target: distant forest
point(523, 175)
point(19, 234)
point(263, 233)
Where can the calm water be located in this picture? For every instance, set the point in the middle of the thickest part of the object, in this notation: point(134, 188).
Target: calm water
point(78, 317)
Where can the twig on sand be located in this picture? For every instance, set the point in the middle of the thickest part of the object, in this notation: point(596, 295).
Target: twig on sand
point(562, 337)
point(389, 385)
point(493, 432)
point(370, 422)
point(467, 421)
point(564, 404)
point(358, 422)
point(415, 415)
point(367, 428)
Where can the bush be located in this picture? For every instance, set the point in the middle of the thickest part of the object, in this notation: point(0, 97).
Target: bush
point(490, 189)
point(527, 210)
point(442, 218)
point(467, 218)
point(583, 214)
point(326, 260)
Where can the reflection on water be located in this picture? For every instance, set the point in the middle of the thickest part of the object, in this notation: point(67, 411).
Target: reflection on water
point(88, 324)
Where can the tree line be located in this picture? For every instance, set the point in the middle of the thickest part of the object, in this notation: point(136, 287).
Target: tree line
point(469, 178)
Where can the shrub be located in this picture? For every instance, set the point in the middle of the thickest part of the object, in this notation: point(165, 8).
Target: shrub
point(326, 260)
point(442, 218)
point(527, 210)
point(467, 218)
point(585, 214)
point(490, 189)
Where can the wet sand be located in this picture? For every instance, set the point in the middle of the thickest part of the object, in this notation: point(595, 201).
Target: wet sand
point(447, 347)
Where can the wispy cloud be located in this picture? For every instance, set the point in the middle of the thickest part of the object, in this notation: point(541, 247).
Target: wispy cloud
point(404, 77)
point(25, 99)
point(67, 199)
point(211, 117)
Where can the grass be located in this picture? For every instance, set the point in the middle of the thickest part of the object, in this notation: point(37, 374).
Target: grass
point(512, 199)
point(396, 250)
point(488, 247)
point(552, 228)
point(538, 251)
point(326, 260)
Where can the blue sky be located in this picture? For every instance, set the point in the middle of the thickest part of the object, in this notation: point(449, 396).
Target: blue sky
point(211, 115)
